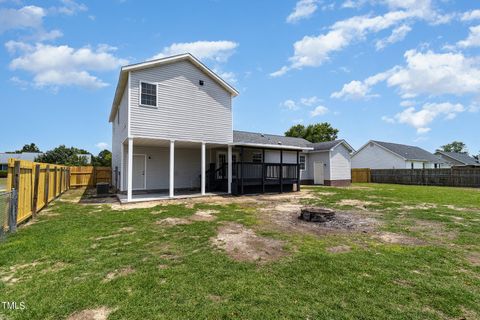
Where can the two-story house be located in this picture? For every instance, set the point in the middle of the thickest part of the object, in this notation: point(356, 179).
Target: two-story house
point(172, 134)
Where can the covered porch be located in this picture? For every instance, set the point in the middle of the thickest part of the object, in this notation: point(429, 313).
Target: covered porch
point(157, 169)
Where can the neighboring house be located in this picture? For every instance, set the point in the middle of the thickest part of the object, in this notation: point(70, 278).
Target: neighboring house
point(86, 156)
point(385, 155)
point(30, 156)
point(172, 132)
point(457, 159)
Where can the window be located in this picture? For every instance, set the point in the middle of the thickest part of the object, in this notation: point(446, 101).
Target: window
point(148, 94)
point(303, 160)
point(257, 157)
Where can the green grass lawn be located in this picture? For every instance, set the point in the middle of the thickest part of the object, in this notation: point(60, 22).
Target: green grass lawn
point(3, 182)
point(76, 257)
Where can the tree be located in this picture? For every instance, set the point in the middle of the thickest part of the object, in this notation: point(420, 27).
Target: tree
point(455, 146)
point(64, 155)
point(104, 159)
point(318, 132)
point(32, 147)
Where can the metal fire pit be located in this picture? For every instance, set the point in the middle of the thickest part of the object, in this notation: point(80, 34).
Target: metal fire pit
point(313, 214)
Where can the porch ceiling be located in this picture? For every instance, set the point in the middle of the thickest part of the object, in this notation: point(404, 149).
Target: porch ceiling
point(154, 142)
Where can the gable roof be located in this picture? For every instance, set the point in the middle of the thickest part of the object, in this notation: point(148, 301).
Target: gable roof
point(269, 140)
point(329, 145)
point(405, 152)
point(460, 157)
point(123, 77)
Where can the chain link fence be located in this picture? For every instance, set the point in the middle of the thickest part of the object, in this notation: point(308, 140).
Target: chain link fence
point(8, 219)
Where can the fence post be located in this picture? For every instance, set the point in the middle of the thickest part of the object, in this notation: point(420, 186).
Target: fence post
point(55, 183)
point(13, 212)
point(47, 183)
point(35, 189)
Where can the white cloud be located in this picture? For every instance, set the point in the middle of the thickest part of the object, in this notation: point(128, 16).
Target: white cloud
point(63, 65)
point(218, 51)
point(427, 73)
point(313, 51)
point(102, 145)
point(309, 101)
point(319, 111)
point(388, 119)
point(422, 118)
point(303, 10)
point(473, 39)
point(471, 15)
point(69, 7)
point(398, 34)
point(290, 105)
point(25, 17)
point(230, 77)
point(408, 103)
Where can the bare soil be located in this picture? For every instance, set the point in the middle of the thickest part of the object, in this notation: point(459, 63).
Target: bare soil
point(100, 313)
point(355, 203)
point(118, 273)
point(204, 215)
point(474, 258)
point(396, 238)
point(339, 249)
point(173, 221)
point(242, 244)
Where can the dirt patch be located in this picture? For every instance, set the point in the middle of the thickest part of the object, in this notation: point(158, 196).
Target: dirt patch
point(452, 207)
point(339, 249)
point(215, 298)
point(118, 273)
point(421, 206)
point(101, 313)
point(474, 258)
point(173, 222)
point(204, 215)
point(434, 229)
point(355, 203)
point(242, 244)
point(396, 238)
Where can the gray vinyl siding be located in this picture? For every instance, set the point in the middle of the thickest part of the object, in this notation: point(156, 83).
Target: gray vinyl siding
point(119, 134)
point(341, 168)
point(185, 110)
point(317, 156)
point(374, 157)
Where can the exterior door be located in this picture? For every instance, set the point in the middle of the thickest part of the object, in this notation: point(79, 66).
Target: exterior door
point(138, 174)
point(222, 159)
point(318, 172)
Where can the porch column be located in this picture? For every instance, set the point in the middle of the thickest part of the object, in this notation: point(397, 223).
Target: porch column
point(172, 168)
point(122, 169)
point(281, 170)
point(229, 173)
point(130, 169)
point(202, 187)
point(298, 171)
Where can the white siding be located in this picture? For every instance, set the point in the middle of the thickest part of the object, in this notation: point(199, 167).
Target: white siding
point(187, 167)
point(185, 110)
point(374, 157)
point(119, 134)
point(311, 158)
point(341, 168)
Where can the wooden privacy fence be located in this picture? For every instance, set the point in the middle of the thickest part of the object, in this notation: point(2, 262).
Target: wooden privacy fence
point(36, 184)
point(361, 175)
point(88, 176)
point(453, 177)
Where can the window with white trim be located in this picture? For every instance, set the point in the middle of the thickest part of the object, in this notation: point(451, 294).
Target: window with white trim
point(257, 157)
point(148, 94)
point(302, 162)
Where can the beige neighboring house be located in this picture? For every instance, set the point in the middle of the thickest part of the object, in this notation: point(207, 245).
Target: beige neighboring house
point(452, 159)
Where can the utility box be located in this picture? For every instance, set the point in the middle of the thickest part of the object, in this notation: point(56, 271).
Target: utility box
point(102, 188)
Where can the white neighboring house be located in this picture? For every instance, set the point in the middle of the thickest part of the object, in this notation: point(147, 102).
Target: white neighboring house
point(30, 156)
point(456, 159)
point(386, 155)
point(172, 134)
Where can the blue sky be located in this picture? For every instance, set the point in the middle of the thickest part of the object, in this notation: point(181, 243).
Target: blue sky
point(402, 71)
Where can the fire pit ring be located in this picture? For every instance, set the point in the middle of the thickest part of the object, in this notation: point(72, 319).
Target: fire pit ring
point(313, 214)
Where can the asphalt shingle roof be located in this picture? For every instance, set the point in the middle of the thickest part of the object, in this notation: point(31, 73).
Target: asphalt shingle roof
point(461, 157)
point(269, 139)
point(320, 146)
point(410, 152)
